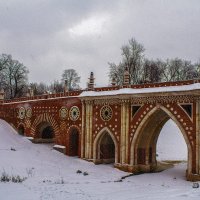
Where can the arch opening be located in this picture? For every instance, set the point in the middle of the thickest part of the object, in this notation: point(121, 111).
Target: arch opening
point(171, 145)
point(144, 145)
point(74, 142)
point(45, 132)
point(21, 130)
point(105, 148)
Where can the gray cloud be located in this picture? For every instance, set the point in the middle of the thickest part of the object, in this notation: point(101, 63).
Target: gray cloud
point(49, 36)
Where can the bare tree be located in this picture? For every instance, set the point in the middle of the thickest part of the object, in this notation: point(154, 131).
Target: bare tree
point(132, 58)
point(56, 87)
point(71, 79)
point(178, 69)
point(143, 70)
point(3, 63)
point(39, 88)
point(116, 71)
point(14, 76)
point(152, 71)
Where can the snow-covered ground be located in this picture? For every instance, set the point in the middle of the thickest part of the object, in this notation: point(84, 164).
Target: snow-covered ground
point(52, 175)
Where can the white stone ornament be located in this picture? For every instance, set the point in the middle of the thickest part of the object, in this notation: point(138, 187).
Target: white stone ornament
point(63, 113)
point(29, 112)
point(106, 113)
point(22, 113)
point(74, 113)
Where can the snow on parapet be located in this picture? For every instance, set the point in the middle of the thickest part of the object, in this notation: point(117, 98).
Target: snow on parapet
point(195, 86)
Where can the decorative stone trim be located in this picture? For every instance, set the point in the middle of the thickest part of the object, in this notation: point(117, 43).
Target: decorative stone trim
point(106, 101)
point(63, 113)
point(106, 113)
point(74, 113)
point(163, 99)
point(22, 113)
point(29, 112)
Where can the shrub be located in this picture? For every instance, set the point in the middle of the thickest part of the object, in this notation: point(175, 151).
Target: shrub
point(15, 179)
point(85, 173)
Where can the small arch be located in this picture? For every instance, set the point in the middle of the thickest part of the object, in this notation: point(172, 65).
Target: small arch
point(141, 140)
point(42, 121)
point(74, 141)
point(45, 130)
point(21, 130)
point(105, 139)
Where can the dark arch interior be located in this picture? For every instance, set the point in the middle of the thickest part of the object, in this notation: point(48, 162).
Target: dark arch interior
point(74, 142)
point(21, 130)
point(46, 131)
point(106, 149)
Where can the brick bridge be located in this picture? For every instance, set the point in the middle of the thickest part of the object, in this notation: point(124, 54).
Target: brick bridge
point(112, 124)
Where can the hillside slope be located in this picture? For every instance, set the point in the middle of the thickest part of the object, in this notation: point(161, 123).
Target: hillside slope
point(52, 175)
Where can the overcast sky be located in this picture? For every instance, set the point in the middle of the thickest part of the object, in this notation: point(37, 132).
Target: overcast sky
point(49, 36)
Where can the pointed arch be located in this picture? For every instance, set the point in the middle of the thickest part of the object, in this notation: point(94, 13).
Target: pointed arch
point(97, 140)
point(74, 127)
point(73, 141)
point(44, 118)
point(146, 120)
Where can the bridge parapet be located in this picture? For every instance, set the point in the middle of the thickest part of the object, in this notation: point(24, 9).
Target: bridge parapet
point(44, 96)
point(165, 84)
point(110, 88)
point(148, 85)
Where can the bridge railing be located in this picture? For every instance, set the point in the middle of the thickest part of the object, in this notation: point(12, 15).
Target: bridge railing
point(166, 84)
point(149, 85)
point(109, 88)
point(44, 96)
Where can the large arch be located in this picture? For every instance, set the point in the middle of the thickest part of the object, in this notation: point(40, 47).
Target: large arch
point(143, 145)
point(97, 143)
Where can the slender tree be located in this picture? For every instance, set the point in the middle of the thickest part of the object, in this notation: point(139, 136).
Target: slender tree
point(14, 76)
point(71, 79)
point(152, 71)
point(56, 87)
point(132, 58)
point(143, 70)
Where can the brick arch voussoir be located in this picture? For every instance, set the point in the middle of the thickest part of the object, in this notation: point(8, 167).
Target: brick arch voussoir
point(184, 120)
point(174, 116)
point(45, 118)
point(174, 111)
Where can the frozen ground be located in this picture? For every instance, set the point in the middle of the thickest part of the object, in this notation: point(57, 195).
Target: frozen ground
point(52, 175)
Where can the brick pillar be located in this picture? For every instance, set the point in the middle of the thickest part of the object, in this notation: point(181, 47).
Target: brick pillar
point(126, 77)
point(91, 82)
point(198, 137)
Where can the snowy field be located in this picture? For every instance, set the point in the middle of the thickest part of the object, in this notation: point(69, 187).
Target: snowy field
point(52, 175)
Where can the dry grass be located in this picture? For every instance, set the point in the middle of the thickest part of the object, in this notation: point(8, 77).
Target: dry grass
point(167, 164)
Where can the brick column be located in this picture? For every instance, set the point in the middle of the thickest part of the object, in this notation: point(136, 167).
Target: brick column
point(198, 137)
